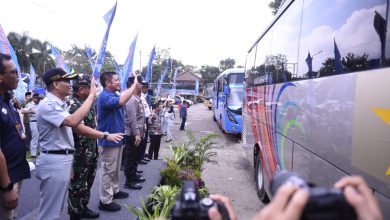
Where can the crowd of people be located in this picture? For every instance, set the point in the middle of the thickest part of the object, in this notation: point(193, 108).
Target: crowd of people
point(70, 128)
point(64, 131)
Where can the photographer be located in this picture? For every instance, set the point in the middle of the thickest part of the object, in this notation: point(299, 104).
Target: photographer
point(290, 201)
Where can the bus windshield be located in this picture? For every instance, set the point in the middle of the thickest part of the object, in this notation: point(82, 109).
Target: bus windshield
point(236, 91)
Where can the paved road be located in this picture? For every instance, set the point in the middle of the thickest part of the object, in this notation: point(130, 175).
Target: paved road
point(232, 176)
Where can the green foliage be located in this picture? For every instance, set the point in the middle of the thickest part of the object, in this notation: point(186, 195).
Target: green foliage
point(275, 5)
point(164, 197)
point(226, 64)
point(209, 73)
point(187, 163)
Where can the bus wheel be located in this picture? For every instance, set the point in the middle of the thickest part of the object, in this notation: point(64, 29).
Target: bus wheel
point(214, 118)
point(259, 175)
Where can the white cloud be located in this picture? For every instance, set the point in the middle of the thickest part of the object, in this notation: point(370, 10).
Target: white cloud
point(357, 35)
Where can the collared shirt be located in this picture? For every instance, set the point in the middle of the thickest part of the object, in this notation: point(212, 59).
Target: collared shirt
point(81, 142)
point(110, 116)
point(52, 112)
point(32, 106)
point(12, 146)
point(134, 117)
point(155, 124)
point(146, 106)
point(183, 111)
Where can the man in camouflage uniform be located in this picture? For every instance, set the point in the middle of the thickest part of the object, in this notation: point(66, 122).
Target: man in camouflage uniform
point(85, 157)
point(86, 153)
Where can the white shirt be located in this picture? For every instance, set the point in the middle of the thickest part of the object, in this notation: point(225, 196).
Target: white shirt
point(146, 106)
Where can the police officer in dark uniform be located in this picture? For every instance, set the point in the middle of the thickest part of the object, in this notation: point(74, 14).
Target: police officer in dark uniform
point(13, 165)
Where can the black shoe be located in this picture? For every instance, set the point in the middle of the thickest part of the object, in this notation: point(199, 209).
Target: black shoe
point(138, 175)
point(134, 186)
point(89, 214)
point(74, 217)
point(142, 162)
point(146, 159)
point(139, 179)
point(140, 171)
point(121, 195)
point(111, 207)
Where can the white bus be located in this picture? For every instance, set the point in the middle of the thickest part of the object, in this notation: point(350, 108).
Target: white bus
point(317, 101)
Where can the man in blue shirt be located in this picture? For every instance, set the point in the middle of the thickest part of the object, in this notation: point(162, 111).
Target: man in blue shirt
point(183, 115)
point(13, 165)
point(110, 117)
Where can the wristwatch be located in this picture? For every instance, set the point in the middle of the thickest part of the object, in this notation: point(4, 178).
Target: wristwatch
point(105, 135)
point(9, 187)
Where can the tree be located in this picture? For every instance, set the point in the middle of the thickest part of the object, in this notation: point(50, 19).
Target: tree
point(353, 62)
point(275, 5)
point(40, 57)
point(226, 64)
point(20, 43)
point(209, 73)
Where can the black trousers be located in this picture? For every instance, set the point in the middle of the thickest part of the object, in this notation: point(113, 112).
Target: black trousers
point(132, 154)
point(154, 147)
point(183, 123)
point(145, 141)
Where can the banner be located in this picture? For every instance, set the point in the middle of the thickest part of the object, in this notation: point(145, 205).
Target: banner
point(6, 48)
point(173, 91)
point(150, 64)
point(197, 87)
point(160, 82)
point(33, 78)
point(118, 70)
point(337, 59)
point(59, 59)
point(89, 55)
point(108, 17)
point(309, 62)
point(128, 66)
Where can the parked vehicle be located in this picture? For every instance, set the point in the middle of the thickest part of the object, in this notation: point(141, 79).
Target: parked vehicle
point(317, 95)
point(227, 100)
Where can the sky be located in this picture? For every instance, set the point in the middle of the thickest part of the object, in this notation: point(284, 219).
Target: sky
point(198, 32)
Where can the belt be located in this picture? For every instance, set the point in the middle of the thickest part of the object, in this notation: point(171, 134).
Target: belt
point(34, 121)
point(66, 152)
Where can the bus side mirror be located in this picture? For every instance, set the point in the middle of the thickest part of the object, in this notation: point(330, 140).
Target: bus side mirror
point(226, 90)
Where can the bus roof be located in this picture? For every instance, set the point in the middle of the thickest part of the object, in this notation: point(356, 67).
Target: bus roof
point(231, 71)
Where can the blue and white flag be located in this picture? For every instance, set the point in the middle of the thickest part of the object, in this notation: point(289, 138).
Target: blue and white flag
point(284, 73)
point(59, 59)
point(109, 17)
point(128, 66)
point(309, 62)
point(163, 76)
point(33, 78)
point(337, 59)
point(6, 48)
point(197, 87)
point(89, 55)
point(173, 91)
point(150, 64)
point(119, 71)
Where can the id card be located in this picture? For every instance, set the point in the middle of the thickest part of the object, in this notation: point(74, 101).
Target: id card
point(19, 129)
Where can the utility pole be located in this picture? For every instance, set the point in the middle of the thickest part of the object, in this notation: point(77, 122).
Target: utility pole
point(140, 70)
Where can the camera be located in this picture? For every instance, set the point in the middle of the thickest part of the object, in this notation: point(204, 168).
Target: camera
point(324, 203)
point(190, 206)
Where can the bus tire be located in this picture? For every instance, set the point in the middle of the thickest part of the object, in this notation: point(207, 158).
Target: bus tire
point(259, 177)
point(214, 118)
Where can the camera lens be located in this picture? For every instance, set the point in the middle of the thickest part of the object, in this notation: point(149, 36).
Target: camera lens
point(207, 202)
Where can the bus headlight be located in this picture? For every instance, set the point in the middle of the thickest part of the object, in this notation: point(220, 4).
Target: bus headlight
point(231, 118)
